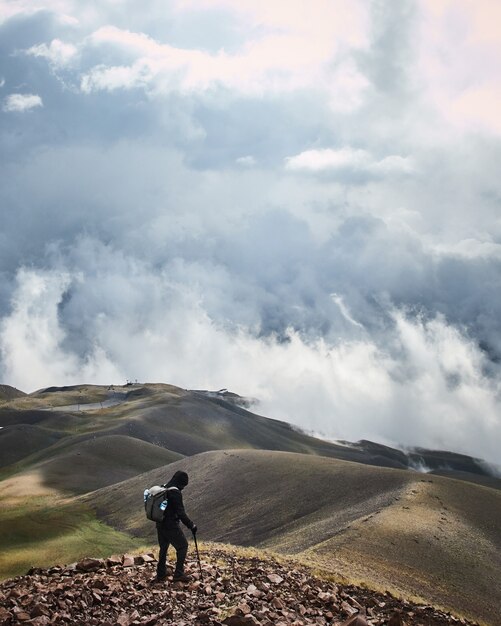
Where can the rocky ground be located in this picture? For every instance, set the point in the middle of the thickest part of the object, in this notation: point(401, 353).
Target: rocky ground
point(233, 590)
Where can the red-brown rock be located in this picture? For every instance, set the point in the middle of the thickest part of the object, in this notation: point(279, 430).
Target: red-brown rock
point(355, 620)
point(240, 620)
point(396, 619)
point(261, 592)
point(275, 579)
point(89, 565)
point(148, 558)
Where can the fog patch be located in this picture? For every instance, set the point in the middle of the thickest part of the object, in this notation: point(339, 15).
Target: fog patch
point(418, 465)
point(155, 329)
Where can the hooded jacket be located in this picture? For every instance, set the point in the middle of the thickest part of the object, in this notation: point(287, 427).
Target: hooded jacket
point(174, 513)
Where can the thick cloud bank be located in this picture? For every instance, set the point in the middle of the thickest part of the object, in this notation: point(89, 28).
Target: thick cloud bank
point(300, 205)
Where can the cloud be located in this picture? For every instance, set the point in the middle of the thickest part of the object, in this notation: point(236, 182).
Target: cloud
point(246, 161)
point(57, 52)
point(282, 202)
point(348, 159)
point(18, 102)
point(32, 332)
point(274, 62)
point(344, 310)
point(23, 8)
point(458, 60)
point(354, 389)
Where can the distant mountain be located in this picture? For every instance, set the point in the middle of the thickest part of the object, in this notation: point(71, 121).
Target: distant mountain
point(179, 421)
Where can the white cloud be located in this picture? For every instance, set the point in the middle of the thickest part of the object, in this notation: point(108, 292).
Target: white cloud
point(205, 277)
point(393, 164)
point(345, 312)
point(459, 61)
point(246, 161)
point(471, 249)
point(330, 22)
point(62, 8)
point(425, 387)
point(347, 159)
point(32, 334)
point(57, 52)
point(118, 77)
point(279, 61)
point(18, 102)
point(315, 160)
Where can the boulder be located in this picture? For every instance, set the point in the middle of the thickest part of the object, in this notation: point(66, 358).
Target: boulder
point(89, 565)
point(128, 560)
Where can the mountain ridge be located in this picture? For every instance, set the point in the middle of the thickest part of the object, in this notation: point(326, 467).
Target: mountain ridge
point(189, 422)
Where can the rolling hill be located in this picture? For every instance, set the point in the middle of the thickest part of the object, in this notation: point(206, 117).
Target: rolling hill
point(75, 460)
point(434, 538)
point(181, 422)
point(99, 461)
point(9, 393)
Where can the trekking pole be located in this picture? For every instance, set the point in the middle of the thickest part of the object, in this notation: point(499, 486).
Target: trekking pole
point(198, 555)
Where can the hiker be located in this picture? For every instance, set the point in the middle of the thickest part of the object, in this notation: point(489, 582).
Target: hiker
point(169, 531)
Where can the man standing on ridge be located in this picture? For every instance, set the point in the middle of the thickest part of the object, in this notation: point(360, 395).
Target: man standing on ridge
point(169, 531)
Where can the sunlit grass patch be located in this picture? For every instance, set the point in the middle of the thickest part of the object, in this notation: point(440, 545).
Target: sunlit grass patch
point(42, 531)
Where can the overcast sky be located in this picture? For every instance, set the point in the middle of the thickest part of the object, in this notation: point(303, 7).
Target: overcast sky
point(296, 200)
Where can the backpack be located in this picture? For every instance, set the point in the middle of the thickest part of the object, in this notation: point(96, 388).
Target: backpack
point(156, 500)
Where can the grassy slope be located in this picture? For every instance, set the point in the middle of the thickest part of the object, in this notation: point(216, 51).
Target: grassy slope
point(65, 532)
point(182, 421)
point(97, 462)
point(21, 440)
point(9, 393)
point(434, 538)
point(64, 395)
point(38, 527)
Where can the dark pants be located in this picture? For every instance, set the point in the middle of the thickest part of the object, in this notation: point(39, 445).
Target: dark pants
point(171, 536)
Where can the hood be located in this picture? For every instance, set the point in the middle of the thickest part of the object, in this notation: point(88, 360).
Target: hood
point(179, 480)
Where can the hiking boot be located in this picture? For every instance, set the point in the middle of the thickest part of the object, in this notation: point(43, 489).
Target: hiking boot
point(181, 578)
point(158, 579)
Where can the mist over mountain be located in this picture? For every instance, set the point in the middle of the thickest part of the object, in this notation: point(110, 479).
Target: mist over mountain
point(299, 205)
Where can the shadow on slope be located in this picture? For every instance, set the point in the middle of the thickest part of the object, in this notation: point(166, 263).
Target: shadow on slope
point(248, 497)
point(191, 423)
point(89, 464)
point(21, 440)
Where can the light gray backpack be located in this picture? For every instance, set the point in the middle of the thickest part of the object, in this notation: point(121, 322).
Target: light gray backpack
point(156, 500)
